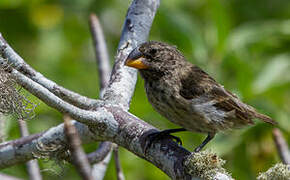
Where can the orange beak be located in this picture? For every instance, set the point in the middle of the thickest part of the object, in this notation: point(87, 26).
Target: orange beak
point(136, 60)
point(136, 63)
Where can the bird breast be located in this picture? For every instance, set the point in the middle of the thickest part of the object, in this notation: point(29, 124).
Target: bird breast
point(166, 100)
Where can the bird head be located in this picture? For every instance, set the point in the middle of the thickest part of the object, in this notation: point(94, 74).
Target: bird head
point(154, 56)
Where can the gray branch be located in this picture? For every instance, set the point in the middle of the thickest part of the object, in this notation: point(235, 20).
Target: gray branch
point(103, 153)
point(102, 55)
point(281, 146)
point(136, 29)
point(7, 177)
point(110, 121)
point(2, 127)
point(78, 155)
point(100, 154)
point(120, 175)
point(32, 165)
point(130, 133)
point(100, 168)
point(20, 65)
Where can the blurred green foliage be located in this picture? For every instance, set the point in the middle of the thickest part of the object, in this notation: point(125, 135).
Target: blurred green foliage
point(244, 44)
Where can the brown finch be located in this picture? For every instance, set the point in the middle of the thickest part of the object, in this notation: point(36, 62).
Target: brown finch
point(186, 95)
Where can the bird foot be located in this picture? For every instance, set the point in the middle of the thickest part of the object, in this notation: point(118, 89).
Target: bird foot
point(209, 137)
point(197, 149)
point(155, 136)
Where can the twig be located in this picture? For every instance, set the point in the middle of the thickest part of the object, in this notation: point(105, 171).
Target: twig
point(19, 64)
point(101, 51)
point(32, 165)
point(100, 168)
point(7, 177)
point(100, 154)
point(120, 175)
point(79, 157)
point(104, 69)
point(281, 146)
point(50, 99)
point(2, 127)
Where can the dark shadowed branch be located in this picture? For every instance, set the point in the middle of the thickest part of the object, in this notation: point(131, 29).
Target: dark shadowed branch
point(100, 154)
point(281, 146)
point(104, 70)
point(78, 155)
point(32, 165)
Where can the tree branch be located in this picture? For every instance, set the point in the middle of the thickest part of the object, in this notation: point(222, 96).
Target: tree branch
point(7, 177)
point(84, 116)
point(131, 134)
point(120, 175)
point(2, 128)
point(281, 146)
point(100, 154)
point(100, 168)
point(32, 165)
point(102, 55)
point(78, 155)
point(135, 31)
point(20, 65)
point(103, 153)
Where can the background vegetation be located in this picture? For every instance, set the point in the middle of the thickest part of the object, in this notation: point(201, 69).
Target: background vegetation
point(244, 44)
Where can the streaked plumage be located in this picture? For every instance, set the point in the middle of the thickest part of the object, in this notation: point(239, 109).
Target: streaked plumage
point(186, 95)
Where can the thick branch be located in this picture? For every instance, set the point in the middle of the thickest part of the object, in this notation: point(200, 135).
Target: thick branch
point(44, 144)
point(130, 133)
point(136, 29)
point(19, 64)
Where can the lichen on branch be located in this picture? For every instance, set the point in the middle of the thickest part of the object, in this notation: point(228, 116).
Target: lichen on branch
point(278, 171)
point(12, 99)
point(205, 165)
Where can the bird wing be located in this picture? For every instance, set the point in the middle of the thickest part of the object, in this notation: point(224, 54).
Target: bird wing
point(197, 83)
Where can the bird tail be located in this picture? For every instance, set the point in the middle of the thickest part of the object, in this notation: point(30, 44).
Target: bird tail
point(265, 118)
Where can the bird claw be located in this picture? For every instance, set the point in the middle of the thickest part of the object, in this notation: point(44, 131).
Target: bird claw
point(158, 136)
point(176, 139)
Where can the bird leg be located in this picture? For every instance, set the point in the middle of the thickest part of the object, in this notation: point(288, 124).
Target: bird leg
point(163, 134)
point(209, 137)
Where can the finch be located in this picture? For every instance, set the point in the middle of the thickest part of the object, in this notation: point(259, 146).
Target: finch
point(186, 95)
